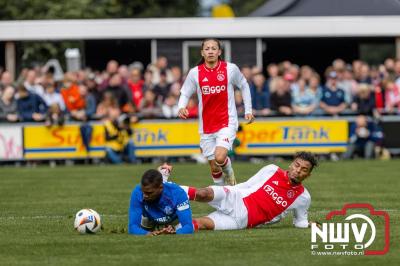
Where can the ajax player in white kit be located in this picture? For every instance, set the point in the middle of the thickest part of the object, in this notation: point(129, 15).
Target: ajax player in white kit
point(265, 198)
point(214, 81)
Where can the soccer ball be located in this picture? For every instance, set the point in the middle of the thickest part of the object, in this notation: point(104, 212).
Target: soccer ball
point(87, 221)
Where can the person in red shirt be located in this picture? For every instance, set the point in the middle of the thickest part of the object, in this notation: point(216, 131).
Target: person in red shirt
point(135, 84)
point(213, 80)
point(266, 198)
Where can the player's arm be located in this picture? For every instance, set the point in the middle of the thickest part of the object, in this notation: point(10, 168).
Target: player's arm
point(300, 214)
point(184, 213)
point(135, 216)
point(260, 177)
point(240, 81)
point(188, 88)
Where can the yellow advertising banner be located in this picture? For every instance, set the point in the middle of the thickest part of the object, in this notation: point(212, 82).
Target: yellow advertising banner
point(290, 136)
point(181, 138)
point(153, 138)
point(42, 142)
point(178, 138)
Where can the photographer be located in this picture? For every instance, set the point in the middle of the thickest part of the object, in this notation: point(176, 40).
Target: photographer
point(119, 145)
point(363, 137)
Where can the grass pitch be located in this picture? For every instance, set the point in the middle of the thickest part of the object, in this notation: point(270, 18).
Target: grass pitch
point(37, 208)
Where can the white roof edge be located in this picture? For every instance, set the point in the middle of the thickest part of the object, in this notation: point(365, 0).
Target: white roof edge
point(164, 28)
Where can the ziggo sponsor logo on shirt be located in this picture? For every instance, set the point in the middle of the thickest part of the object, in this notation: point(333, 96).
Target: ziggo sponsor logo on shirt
point(278, 199)
point(213, 89)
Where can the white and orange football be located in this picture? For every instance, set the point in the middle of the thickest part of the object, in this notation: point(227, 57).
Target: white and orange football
point(87, 221)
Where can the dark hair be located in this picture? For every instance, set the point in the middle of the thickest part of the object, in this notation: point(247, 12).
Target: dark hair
point(307, 156)
point(202, 45)
point(151, 177)
point(21, 88)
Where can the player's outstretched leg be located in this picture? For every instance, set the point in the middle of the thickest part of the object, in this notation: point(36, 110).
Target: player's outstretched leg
point(216, 173)
point(200, 194)
point(222, 160)
point(203, 223)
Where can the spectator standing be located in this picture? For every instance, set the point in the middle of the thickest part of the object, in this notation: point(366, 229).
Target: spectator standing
point(176, 74)
point(90, 102)
point(148, 81)
point(364, 76)
point(346, 82)
point(379, 96)
point(74, 101)
point(55, 103)
point(135, 84)
point(92, 86)
point(392, 97)
point(8, 105)
point(160, 65)
point(31, 107)
point(31, 83)
point(364, 101)
point(260, 95)
point(248, 75)
point(333, 98)
point(6, 80)
point(149, 106)
point(304, 101)
point(162, 88)
point(281, 99)
point(111, 69)
point(170, 107)
point(315, 87)
point(108, 108)
point(121, 93)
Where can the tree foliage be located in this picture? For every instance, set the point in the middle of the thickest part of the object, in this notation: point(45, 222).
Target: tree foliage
point(91, 9)
point(39, 52)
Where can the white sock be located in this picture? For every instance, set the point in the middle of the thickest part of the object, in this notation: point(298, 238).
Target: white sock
point(218, 179)
point(226, 166)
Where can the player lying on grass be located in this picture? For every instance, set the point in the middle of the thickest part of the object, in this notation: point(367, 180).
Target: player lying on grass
point(156, 207)
point(263, 199)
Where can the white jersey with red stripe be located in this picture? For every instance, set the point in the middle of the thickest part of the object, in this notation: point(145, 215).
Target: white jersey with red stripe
point(215, 91)
point(269, 196)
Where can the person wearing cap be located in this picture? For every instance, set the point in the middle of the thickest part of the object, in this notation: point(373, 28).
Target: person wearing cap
point(119, 144)
point(333, 98)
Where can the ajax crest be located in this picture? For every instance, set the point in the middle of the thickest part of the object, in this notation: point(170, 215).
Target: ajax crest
point(220, 77)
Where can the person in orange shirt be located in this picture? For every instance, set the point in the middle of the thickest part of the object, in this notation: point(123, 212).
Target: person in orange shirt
point(73, 99)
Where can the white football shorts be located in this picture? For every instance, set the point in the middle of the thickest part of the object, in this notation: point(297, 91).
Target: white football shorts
point(222, 138)
point(231, 213)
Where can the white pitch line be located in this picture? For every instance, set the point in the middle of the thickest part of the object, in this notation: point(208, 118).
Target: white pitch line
point(50, 217)
point(125, 215)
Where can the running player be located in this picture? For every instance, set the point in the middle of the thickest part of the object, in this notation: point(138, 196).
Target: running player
point(214, 81)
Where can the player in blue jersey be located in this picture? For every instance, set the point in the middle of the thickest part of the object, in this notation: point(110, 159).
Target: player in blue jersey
point(158, 207)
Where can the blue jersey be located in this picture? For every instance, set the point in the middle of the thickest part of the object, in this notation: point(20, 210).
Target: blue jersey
point(333, 97)
point(173, 205)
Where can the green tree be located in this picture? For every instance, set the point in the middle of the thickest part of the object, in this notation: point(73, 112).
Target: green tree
point(91, 9)
point(39, 52)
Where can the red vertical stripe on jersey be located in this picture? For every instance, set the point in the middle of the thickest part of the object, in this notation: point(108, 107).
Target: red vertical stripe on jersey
point(214, 94)
point(271, 199)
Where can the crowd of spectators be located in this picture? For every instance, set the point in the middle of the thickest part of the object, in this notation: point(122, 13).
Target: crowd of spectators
point(283, 89)
point(345, 89)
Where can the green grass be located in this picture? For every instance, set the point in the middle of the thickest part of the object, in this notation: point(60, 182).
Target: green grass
point(37, 207)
